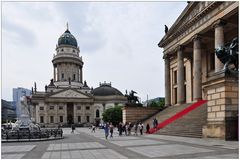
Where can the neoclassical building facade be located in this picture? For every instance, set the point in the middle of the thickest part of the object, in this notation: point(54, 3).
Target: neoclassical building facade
point(68, 99)
point(192, 70)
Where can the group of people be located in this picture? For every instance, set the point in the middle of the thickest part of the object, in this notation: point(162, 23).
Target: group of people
point(108, 127)
point(124, 129)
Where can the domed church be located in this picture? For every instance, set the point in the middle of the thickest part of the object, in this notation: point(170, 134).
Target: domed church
point(68, 99)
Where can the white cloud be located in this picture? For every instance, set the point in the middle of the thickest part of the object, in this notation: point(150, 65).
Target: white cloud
point(118, 42)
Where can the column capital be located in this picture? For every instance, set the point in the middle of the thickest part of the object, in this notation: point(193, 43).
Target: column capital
point(196, 37)
point(166, 56)
point(180, 47)
point(218, 23)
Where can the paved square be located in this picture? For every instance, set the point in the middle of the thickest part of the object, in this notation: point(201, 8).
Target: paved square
point(122, 138)
point(71, 146)
point(137, 142)
point(221, 156)
point(12, 156)
point(167, 150)
point(84, 154)
point(22, 148)
point(86, 145)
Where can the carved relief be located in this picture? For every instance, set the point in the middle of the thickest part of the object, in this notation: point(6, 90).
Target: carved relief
point(69, 94)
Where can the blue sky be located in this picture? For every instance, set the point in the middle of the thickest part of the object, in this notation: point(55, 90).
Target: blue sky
point(117, 40)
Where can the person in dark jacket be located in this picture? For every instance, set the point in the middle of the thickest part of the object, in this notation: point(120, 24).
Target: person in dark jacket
point(147, 128)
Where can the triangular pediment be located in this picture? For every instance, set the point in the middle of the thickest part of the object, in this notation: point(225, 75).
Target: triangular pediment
point(69, 94)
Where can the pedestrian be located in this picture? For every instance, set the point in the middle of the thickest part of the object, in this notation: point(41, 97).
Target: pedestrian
point(93, 128)
point(106, 129)
point(120, 129)
point(147, 128)
point(73, 128)
point(154, 122)
point(129, 128)
point(126, 128)
point(111, 130)
point(135, 128)
point(140, 128)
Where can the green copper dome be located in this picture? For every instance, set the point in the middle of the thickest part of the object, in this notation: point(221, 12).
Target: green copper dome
point(67, 39)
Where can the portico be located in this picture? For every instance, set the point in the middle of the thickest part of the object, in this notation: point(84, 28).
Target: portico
point(191, 65)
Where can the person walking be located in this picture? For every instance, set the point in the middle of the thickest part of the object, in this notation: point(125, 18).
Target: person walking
point(126, 128)
point(135, 129)
point(147, 128)
point(154, 123)
point(93, 128)
point(129, 128)
point(73, 128)
point(120, 129)
point(141, 128)
point(106, 129)
point(111, 130)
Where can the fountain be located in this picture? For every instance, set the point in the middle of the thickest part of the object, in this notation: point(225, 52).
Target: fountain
point(24, 128)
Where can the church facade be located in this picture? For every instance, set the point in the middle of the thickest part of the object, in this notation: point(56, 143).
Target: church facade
point(68, 99)
point(193, 71)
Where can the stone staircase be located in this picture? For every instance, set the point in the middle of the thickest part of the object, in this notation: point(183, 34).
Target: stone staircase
point(190, 125)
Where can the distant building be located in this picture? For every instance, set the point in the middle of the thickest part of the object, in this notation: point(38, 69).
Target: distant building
point(8, 111)
point(17, 94)
point(68, 99)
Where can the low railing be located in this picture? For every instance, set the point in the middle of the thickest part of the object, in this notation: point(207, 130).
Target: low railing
point(44, 133)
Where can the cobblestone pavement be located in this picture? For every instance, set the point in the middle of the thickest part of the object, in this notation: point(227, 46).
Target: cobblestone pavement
point(83, 144)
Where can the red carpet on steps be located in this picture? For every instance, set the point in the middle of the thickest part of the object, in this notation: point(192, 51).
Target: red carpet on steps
point(177, 115)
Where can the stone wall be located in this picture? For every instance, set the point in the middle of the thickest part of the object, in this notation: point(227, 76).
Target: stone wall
point(222, 96)
point(133, 114)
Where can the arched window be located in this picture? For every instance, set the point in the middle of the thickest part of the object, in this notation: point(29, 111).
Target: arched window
point(97, 113)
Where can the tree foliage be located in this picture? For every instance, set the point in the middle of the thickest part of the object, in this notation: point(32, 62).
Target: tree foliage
point(113, 115)
point(158, 103)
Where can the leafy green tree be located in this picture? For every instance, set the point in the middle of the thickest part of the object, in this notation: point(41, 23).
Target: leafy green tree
point(158, 104)
point(113, 115)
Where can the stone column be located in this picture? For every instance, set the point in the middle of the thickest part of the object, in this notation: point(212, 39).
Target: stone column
point(219, 41)
point(167, 80)
point(197, 68)
point(81, 77)
point(180, 76)
point(54, 73)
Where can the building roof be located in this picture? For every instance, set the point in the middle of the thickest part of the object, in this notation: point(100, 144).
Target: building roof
point(67, 39)
point(106, 89)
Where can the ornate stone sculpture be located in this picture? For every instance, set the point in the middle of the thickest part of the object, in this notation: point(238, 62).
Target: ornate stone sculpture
point(228, 54)
point(132, 99)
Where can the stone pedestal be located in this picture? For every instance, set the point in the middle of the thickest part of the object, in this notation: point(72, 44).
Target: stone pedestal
point(222, 94)
point(133, 114)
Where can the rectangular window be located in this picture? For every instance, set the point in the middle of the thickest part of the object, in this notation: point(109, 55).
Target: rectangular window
point(78, 107)
point(175, 95)
point(62, 75)
point(87, 108)
point(79, 119)
point(51, 119)
point(41, 119)
point(174, 77)
point(61, 118)
point(74, 76)
point(51, 107)
point(41, 108)
point(87, 118)
point(212, 61)
point(60, 107)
